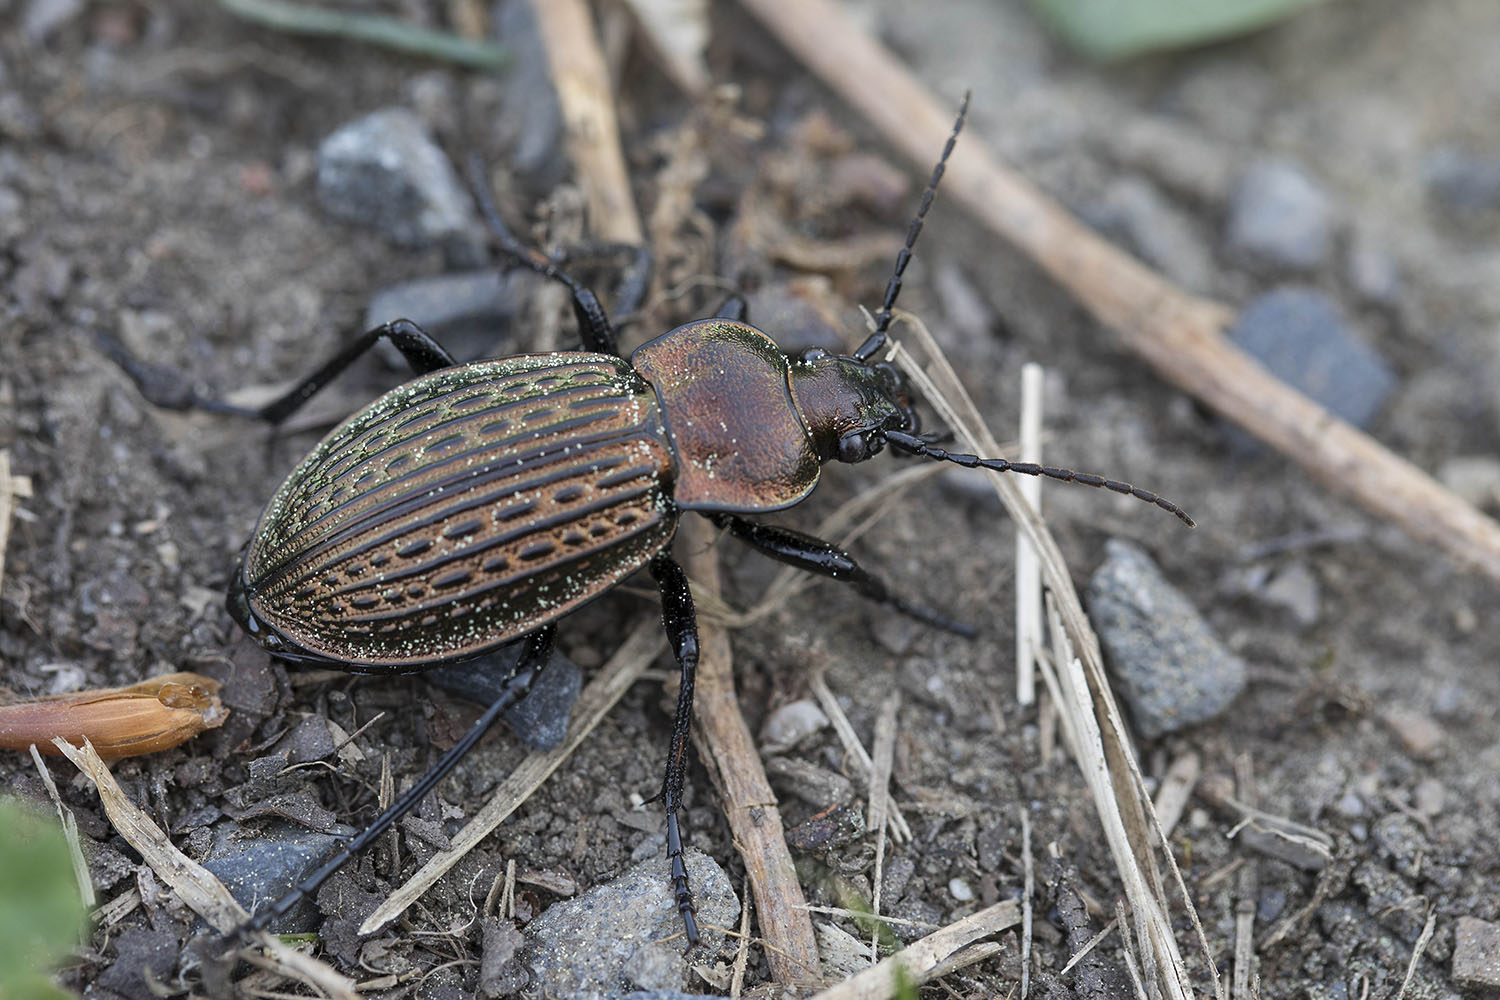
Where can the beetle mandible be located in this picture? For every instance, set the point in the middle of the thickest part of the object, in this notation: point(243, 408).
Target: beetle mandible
point(475, 505)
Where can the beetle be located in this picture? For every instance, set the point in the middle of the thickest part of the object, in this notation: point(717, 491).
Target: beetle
point(475, 505)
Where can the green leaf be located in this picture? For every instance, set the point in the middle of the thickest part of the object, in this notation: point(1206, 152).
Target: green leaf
point(1115, 29)
point(42, 916)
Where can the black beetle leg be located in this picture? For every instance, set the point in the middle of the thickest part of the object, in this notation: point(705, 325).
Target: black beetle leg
point(826, 559)
point(593, 323)
point(418, 348)
point(635, 279)
point(534, 658)
point(681, 623)
point(736, 308)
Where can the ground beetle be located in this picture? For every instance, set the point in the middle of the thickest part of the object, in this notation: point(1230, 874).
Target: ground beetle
point(475, 505)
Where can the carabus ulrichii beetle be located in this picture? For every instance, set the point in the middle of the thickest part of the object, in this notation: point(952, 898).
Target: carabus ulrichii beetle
point(475, 505)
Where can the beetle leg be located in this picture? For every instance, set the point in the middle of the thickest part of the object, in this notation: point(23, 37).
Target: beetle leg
point(681, 623)
point(535, 656)
point(826, 559)
point(593, 323)
point(420, 351)
point(635, 279)
point(736, 308)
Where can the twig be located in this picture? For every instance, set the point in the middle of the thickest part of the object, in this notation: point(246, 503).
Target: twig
point(591, 129)
point(749, 804)
point(818, 685)
point(1417, 950)
point(11, 490)
point(622, 670)
point(880, 798)
point(919, 960)
point(412, 39)
point(1176, 789)
point(1028, 572)
point(1176, 333)
point(1028, 888)
point(203, 893)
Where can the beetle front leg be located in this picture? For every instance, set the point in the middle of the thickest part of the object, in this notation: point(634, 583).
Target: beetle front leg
point(681, 623)
point(826, 559)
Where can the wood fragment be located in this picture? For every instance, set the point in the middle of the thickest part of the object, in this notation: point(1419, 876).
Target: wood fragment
point(754, 818)
point(1176, 790)
point(920, 959)
point(622, 670)
point(1178, 334)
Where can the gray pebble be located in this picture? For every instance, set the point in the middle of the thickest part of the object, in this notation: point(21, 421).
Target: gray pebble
point(385, 172)
point(540, 720)
point(1155, 229)
point(1279, 218)
point(1300, 335)
point(1463, 183)
point(807, 781)
point(258, 870)
point(1173, 669)
point(1476, 953)
point(1295, 588)
point(791, 724)
point(626, 934)
point(468, 312)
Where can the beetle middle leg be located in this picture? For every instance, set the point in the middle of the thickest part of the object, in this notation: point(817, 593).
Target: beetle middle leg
point(826, 559)
point(535, 656)
point(681, 622)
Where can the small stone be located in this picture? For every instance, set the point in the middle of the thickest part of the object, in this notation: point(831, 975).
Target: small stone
point(834, 827)
point(500, 974)
point(791, 724)
point(1173, 669)
point(468, 312)
point(385, 172)
point(1428, 797)
point(1279, 218)
point(809, 782)
point(626, 934)
point(1350, 805)
point(1464, 183)
point(1156, 229)
point(1418, 732)
point(258, 870)
point(1476, 953)
point(959, 890)
point(1373, 273)
point(1475, 478)
point(1300, 335)
point(539, 720)
point(1296, 589)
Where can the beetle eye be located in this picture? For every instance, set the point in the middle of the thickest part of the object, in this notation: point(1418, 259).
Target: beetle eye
point(852, 448)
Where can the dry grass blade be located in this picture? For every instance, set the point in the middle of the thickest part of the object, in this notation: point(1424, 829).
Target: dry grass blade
point(204, 894)
point(623, 669)
point(1102, 748)
point(920, 960)
point(70, 833)
point(1028, 572)
point(12, 488)
point(900, 829)
point(880, 800)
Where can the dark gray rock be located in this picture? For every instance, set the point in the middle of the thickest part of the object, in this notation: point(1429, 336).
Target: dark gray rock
point(260, 868)
point(1464, 183)
point(1279, 218)
point(626, 935)
point(1300, 335)
point(1173, 670)
point(383, 171)
point(540, 720)
point(468, 312)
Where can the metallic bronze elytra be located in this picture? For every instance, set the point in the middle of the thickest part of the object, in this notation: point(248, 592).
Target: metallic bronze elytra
point(477, 504)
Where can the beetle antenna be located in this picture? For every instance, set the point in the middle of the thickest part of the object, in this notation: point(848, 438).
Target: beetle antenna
point(915, 444)
point(876, 340)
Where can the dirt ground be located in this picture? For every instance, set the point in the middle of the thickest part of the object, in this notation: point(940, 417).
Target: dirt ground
point(156, 183)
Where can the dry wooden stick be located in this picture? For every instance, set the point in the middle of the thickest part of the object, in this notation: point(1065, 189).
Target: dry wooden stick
point(1176, 333)
point(749, 803)
point(592, 131)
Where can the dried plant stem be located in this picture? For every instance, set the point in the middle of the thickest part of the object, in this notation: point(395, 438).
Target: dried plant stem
point(749, 803)
point(1176, 333)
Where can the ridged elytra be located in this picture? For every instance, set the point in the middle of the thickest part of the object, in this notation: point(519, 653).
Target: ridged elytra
point(477, 504)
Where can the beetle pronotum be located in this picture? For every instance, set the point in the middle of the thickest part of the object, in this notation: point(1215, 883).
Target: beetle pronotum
point(476, 504)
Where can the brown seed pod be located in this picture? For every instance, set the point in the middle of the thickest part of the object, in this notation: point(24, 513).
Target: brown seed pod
point(155, 714)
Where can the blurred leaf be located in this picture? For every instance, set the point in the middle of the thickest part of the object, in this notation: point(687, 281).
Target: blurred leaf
point(1115, 29)
point(41, 915)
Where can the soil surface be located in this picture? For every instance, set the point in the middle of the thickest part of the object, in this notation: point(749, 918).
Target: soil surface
point(157, 183)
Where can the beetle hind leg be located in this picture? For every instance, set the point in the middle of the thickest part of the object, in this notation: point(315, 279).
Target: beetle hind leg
point(826, 559)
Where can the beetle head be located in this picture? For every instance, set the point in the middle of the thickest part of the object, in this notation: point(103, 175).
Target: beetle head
point(848, 404)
